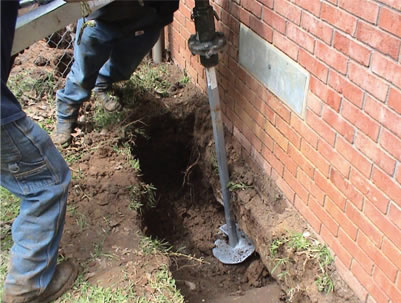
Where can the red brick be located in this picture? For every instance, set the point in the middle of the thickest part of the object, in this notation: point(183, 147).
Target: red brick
point(300, 191)
point(288, 10)
point(300, 37)
point(331, 57)
point(330, 225)
point(387, 69)
point(393, 3)
point(391, 143)
point(365, 9)
point(242, 139)
point(286, 46)
point(346, 188)
point(304, 130)
point(390, 21)
point(362, 77)
point(364, 224)
point(288, 132)
point(378, 258)
point(337, 248)
point(316, 27)
point(314, 103)
point(398, 175)
point(370, 191)
point(275, 21)
point(259, 161)
point(387, 185)
point(339, 124)
point(315, 158)
point(253, 6)
point(375, 153)
point(326, 94)
point(312, 6)
point(356, 252)
point(261, 28)
point(313, 189)
point(336, 160)
point(351, 48)
point(314, 66)
point(254, 85)
point(388, 287)
point(383, 115)
point(286, 189)
point(307, 214)
point(290, 165)
point(321, 128)
point(380, 40)
point(350, 91)
point(367, 281)
point(363, 122)
point(276, 135)
point(342, 220)
point(395, 215)
point(394, 100)
point(277, 106)
point(354, 157)
point(303, 163)
point(273, 161)
point(392, 252)
point(268, 3)
point(382, 223)
point(338, 18)
point(327, 187)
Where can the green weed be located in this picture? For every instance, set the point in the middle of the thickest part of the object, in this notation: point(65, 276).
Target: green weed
point(104, 119)
point(324, 283)
point(232, 186)
point(151, 246)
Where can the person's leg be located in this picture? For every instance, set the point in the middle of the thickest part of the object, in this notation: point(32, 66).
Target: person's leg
point(33, 169)
point(125, 57)
point(89, 56)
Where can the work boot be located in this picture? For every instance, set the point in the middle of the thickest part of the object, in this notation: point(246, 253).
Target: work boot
point(108, 100)
point(62, 136)
point(63, 279)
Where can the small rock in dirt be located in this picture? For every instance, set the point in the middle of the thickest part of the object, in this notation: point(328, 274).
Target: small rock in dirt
point(41, 61)
point(190, 285)
point(17, 61)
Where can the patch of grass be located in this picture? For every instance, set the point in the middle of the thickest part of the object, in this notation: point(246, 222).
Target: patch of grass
point(104, 119)
point(84, 292)
point(275, 246)
point(151, 246)
point(279, 263)
point(324, 283)
point(9, 205)
point(81, 221)
point(165, 290)
point(143, 195)
point(47, 124)
point(185, 79)
point(303, 244)
point(150, 77)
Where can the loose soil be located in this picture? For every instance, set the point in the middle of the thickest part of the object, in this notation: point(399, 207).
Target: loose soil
point(104, 234)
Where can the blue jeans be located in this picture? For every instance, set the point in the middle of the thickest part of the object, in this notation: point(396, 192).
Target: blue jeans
point(105, 55)
point(34, 170)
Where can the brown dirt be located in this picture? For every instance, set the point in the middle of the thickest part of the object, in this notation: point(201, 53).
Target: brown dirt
point(103, 234)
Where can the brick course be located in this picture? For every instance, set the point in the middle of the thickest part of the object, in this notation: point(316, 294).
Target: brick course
point(339, 163)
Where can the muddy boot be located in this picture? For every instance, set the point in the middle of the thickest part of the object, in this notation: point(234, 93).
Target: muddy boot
point(108, 100)
point(63, 279)
point(62, 136)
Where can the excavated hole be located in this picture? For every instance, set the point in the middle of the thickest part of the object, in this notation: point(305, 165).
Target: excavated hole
point(188, 216)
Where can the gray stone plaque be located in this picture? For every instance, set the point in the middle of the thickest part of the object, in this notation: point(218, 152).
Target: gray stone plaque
point(279, 73)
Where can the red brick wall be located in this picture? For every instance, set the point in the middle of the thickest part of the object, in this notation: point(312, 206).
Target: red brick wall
point(340, 164)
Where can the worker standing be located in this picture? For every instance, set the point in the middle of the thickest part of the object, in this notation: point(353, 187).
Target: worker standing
point(110, 44)
point(32, 169)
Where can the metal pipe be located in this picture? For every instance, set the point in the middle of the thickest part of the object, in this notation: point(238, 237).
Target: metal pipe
point(218, 132)
point(157, 50)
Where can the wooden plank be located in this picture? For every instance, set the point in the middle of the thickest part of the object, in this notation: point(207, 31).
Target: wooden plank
point(47, 19)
